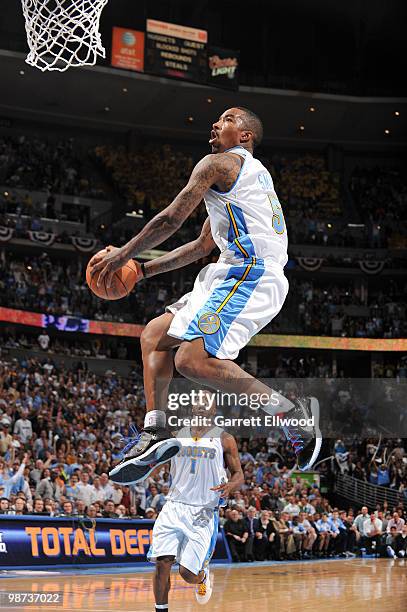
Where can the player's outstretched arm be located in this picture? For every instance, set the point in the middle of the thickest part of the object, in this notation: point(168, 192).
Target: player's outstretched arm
point(214, 169)
point(232, 460)
point(183, 255)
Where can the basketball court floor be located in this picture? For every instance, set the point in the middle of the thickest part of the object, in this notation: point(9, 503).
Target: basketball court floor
point(329, 586)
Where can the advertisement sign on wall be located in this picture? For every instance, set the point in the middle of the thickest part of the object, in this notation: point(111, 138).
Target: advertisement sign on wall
point(223, 68)
point(128, 49)
point(133, 330)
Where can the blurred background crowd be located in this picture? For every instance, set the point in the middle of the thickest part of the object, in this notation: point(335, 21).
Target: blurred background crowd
point(313, 307)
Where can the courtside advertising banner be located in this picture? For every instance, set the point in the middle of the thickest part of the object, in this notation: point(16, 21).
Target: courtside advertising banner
point(69, 323)
point(40, 541)
point(223, 68)
point(128, 49)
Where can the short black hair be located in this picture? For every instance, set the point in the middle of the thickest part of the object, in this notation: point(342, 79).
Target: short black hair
point(254, 124)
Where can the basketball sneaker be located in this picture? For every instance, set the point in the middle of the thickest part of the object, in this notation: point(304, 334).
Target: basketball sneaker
point(203, 590)
point(144, 451)
point(306, 440)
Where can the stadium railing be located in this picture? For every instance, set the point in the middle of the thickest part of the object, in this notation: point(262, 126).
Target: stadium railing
point(365, 493)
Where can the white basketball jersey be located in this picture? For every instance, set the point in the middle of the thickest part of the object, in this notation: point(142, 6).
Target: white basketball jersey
point(247, 221)
point(196, 468)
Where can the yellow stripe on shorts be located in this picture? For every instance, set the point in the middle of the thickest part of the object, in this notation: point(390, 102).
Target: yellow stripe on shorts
point(236, 285)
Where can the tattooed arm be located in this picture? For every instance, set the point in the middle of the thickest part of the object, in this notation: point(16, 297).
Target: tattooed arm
point(183, 255)
point(219, 169)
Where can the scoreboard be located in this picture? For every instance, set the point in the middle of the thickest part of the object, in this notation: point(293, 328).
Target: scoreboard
point(176, 51)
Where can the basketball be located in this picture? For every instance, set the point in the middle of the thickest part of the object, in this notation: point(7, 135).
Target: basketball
point(122, 283)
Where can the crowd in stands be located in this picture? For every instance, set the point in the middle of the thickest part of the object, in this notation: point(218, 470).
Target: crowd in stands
point(42, 284)
point(61, 430)
point(100, 347)
point(278, 516)
point(310, 195)
point(307, 527)
point(381, 197)
point(39, 165)
point(306, 183)
point(147, 179)
point(22, 214)
point(45, 285)
point(385, 465)
point(157, 173)
point(103, 347)
point(380, 191)
point(348, 310)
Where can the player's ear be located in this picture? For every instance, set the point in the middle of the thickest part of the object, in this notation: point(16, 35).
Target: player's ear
point(245, 136)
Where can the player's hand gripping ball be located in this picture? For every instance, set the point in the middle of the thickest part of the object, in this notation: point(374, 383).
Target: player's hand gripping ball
point(109, 276)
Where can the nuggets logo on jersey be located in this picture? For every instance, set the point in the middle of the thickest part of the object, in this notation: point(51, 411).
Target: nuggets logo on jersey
point(234, 298)
point(197, 452)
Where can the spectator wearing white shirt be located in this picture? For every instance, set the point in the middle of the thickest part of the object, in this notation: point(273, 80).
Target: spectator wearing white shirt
point(85, 489)
point(238, 501)
point(310, 534)
point(106, 486)
point(310, 509)
point(117, 494)
point(262, 455)
point(23, 427)
point(292, 507)
point(357, 526)
point(98, 493)
point(372, 531)
point(396, 522)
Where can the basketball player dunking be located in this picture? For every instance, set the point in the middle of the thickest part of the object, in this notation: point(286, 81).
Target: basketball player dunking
point(187, 527)
point(231, 300)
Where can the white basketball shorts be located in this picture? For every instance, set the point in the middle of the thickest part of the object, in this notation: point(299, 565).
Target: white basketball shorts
point(229, 304)
point(185, 532)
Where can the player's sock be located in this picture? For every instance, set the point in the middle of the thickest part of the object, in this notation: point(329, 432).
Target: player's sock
point(161, 607)
point(155, 418)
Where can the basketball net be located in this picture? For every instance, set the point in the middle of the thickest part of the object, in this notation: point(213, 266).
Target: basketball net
point(63, 33)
